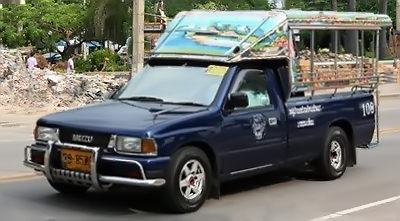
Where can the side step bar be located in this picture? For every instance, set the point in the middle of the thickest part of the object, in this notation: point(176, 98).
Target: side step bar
point(369, 146)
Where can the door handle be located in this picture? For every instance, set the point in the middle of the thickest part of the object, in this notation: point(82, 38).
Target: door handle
point(272, 121)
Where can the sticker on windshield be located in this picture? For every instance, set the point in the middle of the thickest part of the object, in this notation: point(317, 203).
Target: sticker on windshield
point(217, 70)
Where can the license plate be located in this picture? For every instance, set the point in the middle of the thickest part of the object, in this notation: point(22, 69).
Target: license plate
point(76, 160)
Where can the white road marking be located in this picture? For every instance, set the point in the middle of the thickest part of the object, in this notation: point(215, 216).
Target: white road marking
point(389, 109)
point(17, 140)
point(356, 209)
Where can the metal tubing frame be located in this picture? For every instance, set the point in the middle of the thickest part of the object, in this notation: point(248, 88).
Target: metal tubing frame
point(377, 86)
point(291, 40)
point(312, 46)
point(339, 27)
point(362, 53)
point(358, 64)
point(335, 50)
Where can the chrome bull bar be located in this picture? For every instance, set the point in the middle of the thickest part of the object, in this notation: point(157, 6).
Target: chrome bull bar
point(97, 180)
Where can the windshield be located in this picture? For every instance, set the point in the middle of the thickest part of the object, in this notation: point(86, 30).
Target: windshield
point(175, 84)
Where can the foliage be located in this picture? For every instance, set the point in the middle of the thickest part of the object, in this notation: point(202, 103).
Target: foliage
point(211, 5)
point(116, 67)
point(42, 22)
point(95, 62)
point(83, 66)
point(98, 57)
point(174, 6)
point(110, 19)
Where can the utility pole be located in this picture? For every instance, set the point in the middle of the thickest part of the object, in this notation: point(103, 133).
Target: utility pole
point(395, 47)
point(137, 36)
point(334, 34)
point(382, 33)
point(397, 15)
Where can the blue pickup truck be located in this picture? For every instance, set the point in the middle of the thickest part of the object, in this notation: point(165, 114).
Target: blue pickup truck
point(191, 120)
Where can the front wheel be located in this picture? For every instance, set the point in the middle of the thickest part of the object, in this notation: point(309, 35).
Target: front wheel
point(332, 162)
point(69, 189)
point(188, 181)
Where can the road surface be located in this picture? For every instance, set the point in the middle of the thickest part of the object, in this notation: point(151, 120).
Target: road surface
point(369, 191)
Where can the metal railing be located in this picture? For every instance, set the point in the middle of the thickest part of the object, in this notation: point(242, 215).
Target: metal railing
point(385, 77)
point(388, 62)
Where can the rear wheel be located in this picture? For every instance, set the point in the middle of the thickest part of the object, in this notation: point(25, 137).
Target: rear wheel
point(188, 181)
point(66, 188)
point(332, 162)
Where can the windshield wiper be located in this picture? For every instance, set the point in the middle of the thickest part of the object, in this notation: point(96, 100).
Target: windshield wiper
point(185, 103)
point(141, 98)
point(156, 99)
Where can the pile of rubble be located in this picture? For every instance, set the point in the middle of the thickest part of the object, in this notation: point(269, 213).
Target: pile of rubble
point(45, 90)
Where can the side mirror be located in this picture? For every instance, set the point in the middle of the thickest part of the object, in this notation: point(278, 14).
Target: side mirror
point(238, 99)
point(112, 93)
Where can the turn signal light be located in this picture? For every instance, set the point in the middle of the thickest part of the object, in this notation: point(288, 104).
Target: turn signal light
point(149, 146)
point(35, 133)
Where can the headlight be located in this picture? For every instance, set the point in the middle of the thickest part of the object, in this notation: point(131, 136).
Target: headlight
point(135, 145)
point(45, 134)
point(129, 144)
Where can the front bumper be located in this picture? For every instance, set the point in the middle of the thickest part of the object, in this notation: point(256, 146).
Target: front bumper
point(93, 179)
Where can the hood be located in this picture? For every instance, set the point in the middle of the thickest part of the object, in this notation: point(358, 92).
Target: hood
point(119, 117)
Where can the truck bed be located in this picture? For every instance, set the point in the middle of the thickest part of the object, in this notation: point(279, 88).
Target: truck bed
point(309, 117)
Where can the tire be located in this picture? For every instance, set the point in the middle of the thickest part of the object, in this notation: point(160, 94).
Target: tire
point(174, 193)
point(326, 166)
point(65, 188)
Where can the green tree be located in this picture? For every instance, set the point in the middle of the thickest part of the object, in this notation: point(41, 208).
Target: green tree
point(13, 18)
point(175, 6)
point(41, 23)
point(110, 19)
point(211, 5)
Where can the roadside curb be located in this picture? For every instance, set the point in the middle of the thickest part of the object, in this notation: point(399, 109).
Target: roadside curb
point(389, 95)
point(19, 176)
point(10, 124)
point(16, 124)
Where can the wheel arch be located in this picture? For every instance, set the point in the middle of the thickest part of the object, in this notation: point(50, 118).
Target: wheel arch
point(212, 157)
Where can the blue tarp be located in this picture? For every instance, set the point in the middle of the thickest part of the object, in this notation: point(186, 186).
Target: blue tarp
point(90, 44)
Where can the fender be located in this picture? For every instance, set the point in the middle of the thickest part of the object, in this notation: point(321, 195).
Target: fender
point(200, 137)
point(348, 129)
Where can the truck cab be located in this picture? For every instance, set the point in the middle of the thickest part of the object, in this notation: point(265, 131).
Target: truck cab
point(191, 120)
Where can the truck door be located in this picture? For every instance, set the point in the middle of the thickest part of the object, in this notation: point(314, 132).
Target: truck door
point(253, 137)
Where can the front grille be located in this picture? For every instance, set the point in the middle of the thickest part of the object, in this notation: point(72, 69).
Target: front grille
point(99, 139)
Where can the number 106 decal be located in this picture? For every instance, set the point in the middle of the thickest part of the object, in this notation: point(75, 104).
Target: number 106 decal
point(368, 108)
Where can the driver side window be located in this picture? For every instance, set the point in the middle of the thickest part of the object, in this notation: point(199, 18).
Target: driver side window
point(254, 84)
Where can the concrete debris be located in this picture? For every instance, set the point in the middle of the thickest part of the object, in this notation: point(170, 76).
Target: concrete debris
point(45, 90)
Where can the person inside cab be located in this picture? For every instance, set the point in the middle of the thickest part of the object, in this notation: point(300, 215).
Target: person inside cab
point(255, 87)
